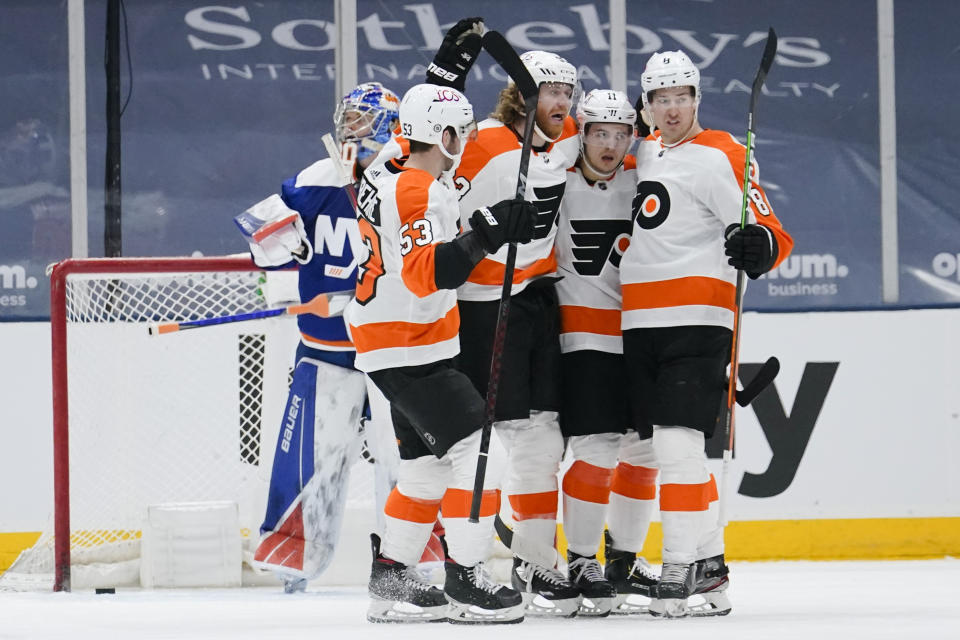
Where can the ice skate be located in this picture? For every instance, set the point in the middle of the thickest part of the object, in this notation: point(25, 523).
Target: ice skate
point(545, 591)
point(709, 596)
point(632, 578)
point(398, 594)
point(675, 586)
point(476, 599)
point(596, 593)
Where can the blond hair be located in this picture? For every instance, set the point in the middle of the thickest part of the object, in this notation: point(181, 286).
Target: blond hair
point(510, 107)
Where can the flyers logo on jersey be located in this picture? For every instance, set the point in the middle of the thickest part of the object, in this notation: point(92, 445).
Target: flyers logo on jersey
point(597, 241)
point(651, 205)
point(548, 208)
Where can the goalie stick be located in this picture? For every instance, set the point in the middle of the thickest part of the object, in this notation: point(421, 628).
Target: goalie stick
point(347, 179)
point(501, 51)
point(324, 305)
point(766, 61)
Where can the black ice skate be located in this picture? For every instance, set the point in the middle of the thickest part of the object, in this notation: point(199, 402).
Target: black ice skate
point(675, 586)
point(545, 591)
point(399, 594)
point(711, 582)
point(596, 594)
point(631, 576)
point(476, 599)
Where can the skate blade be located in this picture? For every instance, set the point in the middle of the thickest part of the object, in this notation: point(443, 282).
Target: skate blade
point(390, 611)
point(713, 603)
point(540, 607)
point(629, 604)
point(595, 607)
point(460, 613)
point(668, 608)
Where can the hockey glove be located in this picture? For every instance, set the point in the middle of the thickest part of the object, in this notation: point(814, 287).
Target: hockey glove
point(753, 248)
point(507, 221)
point(457, 53)
point(275, 233)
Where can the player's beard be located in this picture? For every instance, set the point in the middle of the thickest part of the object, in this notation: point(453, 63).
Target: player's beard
point(549, 127)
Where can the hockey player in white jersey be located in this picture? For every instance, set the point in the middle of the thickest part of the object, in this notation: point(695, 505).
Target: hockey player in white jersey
point(405, 324)
point(678, 283)
point(529, 392)
point(313, 223)
point(612, 479)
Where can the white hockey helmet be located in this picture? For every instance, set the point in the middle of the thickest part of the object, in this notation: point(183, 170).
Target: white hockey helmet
point(605, 106)
point(428, 109)
point(669, 69)
point(549, 67)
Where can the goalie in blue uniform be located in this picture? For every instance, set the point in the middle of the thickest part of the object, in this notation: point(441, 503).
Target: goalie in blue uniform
point(313, 222)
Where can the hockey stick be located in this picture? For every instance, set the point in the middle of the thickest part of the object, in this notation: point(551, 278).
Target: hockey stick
point(525, 548)
point(344, 171)
point(766, 61)
point(501, 51)
point(324, 305)
point(761, 381)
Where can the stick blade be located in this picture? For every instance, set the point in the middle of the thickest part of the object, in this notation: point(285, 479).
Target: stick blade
point(766, 61)
point(761, 381)
point(505, 55)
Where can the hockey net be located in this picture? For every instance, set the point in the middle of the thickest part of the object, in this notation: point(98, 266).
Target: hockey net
point(140, 420)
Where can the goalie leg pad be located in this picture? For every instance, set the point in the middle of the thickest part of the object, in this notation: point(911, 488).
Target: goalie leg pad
point(318, 442)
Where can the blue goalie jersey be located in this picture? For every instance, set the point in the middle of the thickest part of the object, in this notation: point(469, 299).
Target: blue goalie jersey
point(317, 194)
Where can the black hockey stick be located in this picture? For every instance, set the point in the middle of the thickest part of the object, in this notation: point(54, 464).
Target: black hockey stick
point(761, 381)
point(525, 548)
point(501, 51)
point(766, 61)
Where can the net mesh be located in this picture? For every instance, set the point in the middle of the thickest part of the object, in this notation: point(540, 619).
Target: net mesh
point(191, 416)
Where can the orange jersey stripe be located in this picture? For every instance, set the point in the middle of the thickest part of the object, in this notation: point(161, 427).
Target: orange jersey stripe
point(413, 195)
point(490, 272)
point(589, 320)
point(699, 290)
point(403, 507)
point(456, 503)
point(684, 497)
point(588, 482)
point(534, 506)
point(639, 483)
point(387, 335)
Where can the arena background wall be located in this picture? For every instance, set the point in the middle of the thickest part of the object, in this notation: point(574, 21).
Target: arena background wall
point(850, 457)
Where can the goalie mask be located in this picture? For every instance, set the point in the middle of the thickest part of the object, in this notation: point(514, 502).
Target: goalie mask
point(365, 118)
point(605, 146)
point(428, 109)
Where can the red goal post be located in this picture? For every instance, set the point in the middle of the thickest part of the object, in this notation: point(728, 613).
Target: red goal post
point(142, 420)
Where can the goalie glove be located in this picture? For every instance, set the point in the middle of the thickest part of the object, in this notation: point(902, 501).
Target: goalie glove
point(752, 248)
point(275, 233)
point(457, 53)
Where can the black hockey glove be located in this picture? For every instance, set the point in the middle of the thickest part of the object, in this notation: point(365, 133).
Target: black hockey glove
point(507, 221)
point(753, 248)
point(457, 52)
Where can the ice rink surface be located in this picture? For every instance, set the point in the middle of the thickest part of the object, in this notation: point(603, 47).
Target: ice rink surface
point(915, 600)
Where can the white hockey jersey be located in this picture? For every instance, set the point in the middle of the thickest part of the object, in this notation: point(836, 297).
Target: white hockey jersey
point(487, 174)
point(399, 318)
point(594, 231)
point(675, 271)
